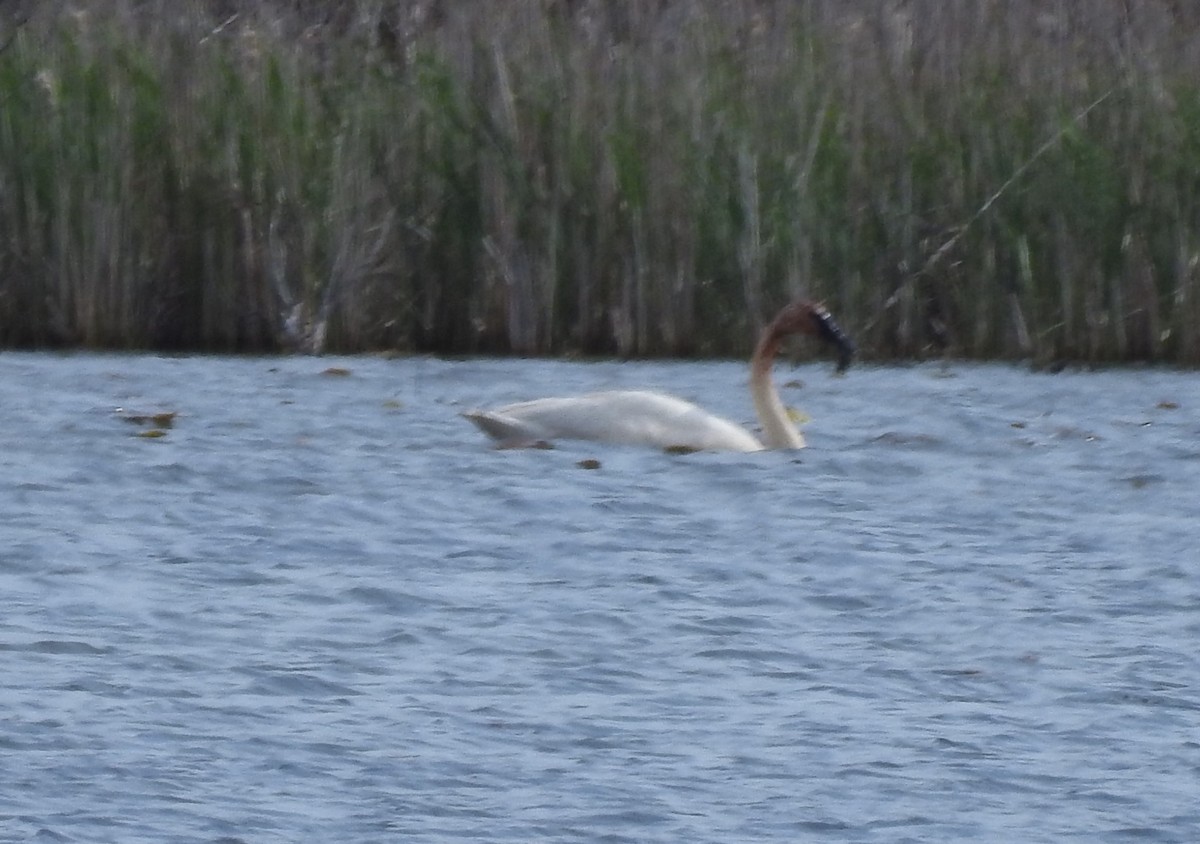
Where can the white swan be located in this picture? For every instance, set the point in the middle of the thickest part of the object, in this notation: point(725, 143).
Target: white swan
point(640, 417)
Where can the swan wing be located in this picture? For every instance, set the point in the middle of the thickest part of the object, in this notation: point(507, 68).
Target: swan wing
point(633, 417)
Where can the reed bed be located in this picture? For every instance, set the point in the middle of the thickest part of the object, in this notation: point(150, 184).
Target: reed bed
point(990, 178)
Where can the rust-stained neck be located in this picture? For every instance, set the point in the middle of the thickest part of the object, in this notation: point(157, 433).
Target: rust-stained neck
point(778, 430)
point(799, 317)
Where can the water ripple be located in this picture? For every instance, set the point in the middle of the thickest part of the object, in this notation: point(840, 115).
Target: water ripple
point(324, 609)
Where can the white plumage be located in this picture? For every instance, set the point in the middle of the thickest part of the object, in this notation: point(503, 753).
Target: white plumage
point(638, 417)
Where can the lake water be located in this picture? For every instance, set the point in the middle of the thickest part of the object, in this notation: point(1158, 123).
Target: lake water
point(322, 608)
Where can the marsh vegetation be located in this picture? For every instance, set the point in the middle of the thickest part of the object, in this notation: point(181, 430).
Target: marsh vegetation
point(993, 178)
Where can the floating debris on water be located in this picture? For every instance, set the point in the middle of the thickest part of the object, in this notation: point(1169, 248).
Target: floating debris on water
point(680, 449)
point(159, 419)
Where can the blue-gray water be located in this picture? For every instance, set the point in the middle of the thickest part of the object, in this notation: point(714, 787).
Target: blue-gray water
point(321, 608)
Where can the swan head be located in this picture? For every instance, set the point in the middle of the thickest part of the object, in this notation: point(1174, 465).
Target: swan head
point(805, 317)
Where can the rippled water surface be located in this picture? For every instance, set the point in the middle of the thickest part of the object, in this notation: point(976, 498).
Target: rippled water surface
point(321, 608)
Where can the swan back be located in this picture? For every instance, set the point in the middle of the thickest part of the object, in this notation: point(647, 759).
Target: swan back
point(634, 417)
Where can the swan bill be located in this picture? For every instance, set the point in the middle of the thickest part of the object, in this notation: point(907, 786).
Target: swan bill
point(829, 331)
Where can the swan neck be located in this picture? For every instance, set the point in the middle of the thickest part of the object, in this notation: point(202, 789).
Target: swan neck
point(778, 430)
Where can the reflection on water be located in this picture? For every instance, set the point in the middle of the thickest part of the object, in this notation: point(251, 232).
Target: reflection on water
point(322, 608)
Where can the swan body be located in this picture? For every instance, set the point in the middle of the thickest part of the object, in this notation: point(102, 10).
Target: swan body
point(631, 417)
point(642, 417)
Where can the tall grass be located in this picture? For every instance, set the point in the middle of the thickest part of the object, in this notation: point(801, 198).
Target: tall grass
point(991, 178)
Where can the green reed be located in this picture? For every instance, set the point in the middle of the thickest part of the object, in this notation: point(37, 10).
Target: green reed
point(985, 179)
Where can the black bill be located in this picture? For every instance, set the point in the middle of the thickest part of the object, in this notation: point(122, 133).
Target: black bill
point(832, 333)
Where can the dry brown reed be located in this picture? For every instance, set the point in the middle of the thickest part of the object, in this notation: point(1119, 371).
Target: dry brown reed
point(990, 178)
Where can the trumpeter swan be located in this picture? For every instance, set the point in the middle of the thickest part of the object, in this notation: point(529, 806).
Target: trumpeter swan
point(640, 417)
